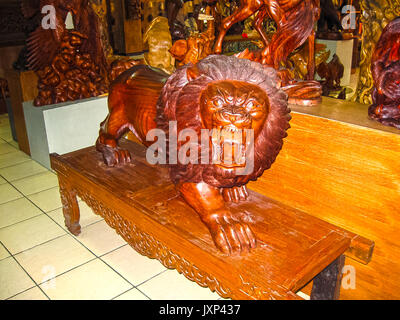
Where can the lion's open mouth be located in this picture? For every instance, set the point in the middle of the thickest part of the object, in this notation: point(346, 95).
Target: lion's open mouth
point(229, 147)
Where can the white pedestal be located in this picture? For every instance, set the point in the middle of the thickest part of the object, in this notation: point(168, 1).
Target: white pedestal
point(344, 50)
point(64, 127)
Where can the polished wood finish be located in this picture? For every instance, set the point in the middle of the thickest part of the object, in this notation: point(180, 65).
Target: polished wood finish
point(44, 44)
point(341, 167)
point(295, 21)
point(293, 247)
point(71, 74)
point(219, 93)
point(197, 46)
point(385, 67)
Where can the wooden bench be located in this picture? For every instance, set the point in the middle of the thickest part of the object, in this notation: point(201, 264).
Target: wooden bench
point(141, 204)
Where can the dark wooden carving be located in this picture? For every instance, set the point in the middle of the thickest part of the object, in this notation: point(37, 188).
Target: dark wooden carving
point(176, 27)
point(133, 9)
point(53, 52)
point(329, 25)
point(332, 73)
point(71, 75)
point(295, 21)
point(44, 44)
point(219, 92)
point(196, 47)
point(386, 74)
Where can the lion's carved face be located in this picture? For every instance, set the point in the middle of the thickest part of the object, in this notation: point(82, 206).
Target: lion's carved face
point(231, 107)
point(228, 94)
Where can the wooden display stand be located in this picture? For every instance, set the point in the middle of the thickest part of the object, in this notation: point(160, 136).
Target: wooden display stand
point(141, 204)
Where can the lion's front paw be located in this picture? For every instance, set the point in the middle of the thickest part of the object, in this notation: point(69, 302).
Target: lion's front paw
point(115, 156)
point(235, 194)
point(230, 235)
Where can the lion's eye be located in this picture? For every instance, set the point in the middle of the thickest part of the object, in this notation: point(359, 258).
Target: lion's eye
point(250, 105)
point(218, 102)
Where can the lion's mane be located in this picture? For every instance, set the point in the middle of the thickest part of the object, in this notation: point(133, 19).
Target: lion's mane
point(180, 101)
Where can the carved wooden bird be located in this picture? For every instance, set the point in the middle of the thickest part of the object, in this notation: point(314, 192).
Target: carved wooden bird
point(43, 43)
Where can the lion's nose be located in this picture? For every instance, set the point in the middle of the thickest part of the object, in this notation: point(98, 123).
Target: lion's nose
point(236, 116)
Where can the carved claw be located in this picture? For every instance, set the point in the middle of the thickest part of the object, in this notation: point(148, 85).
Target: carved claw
point(235, 194)
point(113, 156)
point(230, 235)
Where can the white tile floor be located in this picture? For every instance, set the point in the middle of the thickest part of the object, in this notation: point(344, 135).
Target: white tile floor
point(40, 259)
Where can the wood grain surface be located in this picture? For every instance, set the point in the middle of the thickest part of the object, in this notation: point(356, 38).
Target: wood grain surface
point(140, 202)
point(341, 167)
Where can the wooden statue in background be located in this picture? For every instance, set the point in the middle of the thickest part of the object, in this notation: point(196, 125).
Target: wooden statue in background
point(197, 46)
point(223, 93)
point(295, 21)
point(332, 72)
point(176, 28)
point(70, 65)
point(386, 74)
point(71, 75)
point(159, 40)
point(44, 44)
point(329, 25)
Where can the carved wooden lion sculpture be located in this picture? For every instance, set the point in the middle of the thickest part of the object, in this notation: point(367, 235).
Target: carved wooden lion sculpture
point(385, 66)
point(221, 94)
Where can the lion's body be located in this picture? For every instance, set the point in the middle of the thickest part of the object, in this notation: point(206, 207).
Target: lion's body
point(142, 99)
point(132, 102)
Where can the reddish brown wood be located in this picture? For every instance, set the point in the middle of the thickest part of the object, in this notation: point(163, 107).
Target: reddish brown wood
point(70, 205)
point(44, 44)
point(197, 46)
point(293, 247)
point(385, 66)
point(295, 21)
point(236, 95)
point(71, 75)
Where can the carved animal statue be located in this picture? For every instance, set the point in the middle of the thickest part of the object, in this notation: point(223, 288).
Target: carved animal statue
point(43, 44)
point(223, 93)
point(385, 66)
point(159, 40)
point(295, 21)
point(196, 47)
point(332, 72)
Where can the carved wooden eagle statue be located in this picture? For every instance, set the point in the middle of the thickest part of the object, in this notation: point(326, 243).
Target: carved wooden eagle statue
point(43, 44)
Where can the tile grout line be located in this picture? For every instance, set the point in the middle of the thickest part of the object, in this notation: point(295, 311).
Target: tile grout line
point(95, 256)
point(27, 159)
point(36, 285)
point(29, 176)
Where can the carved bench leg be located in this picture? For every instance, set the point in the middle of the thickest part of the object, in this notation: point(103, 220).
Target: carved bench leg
point(326, 285)
point(70, 207)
